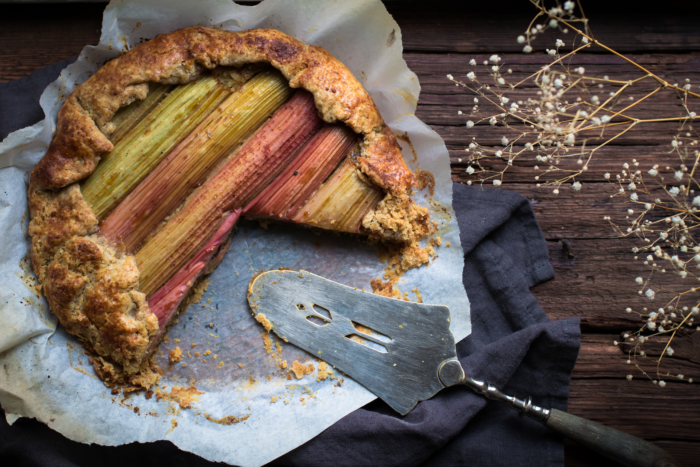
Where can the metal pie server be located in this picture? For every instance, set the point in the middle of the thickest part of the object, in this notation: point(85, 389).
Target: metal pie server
point(404, 353)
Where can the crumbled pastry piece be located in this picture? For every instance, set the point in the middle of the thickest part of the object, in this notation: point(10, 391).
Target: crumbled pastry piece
point(175, 355)
point(399, 218)
point(260, 318)
point(300, 370)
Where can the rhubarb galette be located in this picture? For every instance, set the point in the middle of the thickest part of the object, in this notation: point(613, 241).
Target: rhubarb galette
point(158, 154)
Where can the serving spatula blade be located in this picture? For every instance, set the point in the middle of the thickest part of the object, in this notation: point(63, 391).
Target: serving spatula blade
point(392, 347)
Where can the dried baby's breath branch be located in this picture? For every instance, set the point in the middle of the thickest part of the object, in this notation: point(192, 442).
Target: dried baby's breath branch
point(564, 123)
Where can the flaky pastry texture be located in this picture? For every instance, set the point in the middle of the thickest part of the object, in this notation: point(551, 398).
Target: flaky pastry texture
point(93, 287)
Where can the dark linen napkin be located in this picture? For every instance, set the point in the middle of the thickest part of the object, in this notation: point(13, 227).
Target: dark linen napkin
point(513, 345)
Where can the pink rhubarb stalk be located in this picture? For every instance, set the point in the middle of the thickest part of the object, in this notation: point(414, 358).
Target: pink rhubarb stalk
point(165, 301)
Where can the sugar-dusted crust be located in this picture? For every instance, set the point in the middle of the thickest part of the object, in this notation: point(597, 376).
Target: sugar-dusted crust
point(91, 286)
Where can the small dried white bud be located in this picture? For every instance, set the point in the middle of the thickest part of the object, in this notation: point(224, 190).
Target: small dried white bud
point(472, 62)
point(470, 170)
point(497, 183)
point(650, 294)
point(527, 49)
point(470, 124)
point(521, 39)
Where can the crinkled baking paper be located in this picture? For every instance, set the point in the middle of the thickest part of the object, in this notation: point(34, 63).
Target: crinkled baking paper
point(44, 372)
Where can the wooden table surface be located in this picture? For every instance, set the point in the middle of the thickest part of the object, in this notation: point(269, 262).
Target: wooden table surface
point(597, 284)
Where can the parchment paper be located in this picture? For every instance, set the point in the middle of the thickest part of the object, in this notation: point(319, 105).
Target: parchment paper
point(46, 374)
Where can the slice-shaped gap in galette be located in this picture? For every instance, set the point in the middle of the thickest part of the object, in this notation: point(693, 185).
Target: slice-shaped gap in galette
point(187, 161)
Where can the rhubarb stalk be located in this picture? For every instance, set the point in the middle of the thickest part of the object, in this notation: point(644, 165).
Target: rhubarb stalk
point(235, 184)
point(189, 164)
point(149, 142)
point(283, 197)
point(165, 301)
point(342, 201)
point(126, 118)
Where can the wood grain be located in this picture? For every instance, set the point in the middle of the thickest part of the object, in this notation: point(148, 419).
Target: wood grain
point(597, 284)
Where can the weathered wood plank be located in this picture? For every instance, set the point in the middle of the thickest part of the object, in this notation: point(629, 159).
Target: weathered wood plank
point(575, 215)
point(34, 36)
point(599, 358)
point(659, 133)
point(609, 159)
point(638, 407)
point(686, 453)
point(598, 284)
point(487, 27)
point(432, 69)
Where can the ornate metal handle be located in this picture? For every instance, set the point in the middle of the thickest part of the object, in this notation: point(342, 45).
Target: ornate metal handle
point(621, 447)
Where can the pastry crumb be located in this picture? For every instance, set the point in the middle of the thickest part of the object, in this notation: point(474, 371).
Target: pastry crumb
point(260, 318)
point(175, 355)
point(300, 370)
point(324, 372)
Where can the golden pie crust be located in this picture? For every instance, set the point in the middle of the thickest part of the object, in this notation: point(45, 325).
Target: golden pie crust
point(92, 286)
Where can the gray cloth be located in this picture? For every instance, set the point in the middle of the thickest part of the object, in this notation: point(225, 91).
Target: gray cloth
point(513, 345)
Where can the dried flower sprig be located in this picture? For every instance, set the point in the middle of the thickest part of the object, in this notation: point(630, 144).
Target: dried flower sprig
point(564, 123)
